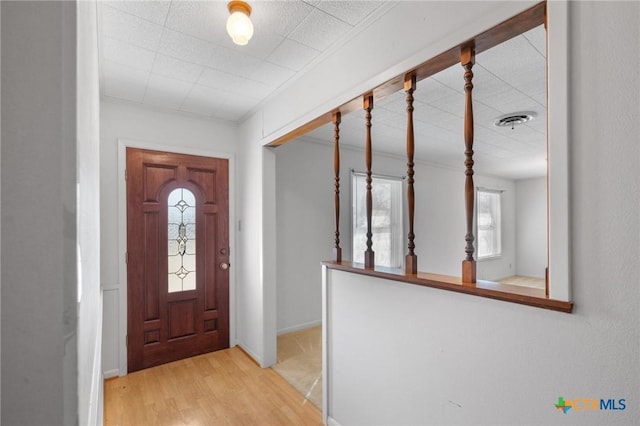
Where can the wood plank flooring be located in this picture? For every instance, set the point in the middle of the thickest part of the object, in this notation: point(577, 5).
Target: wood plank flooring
point(219, 388)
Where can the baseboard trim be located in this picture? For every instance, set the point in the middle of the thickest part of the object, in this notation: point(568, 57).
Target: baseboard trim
point(299, 327)
point(97, 380)
point(110, 374)
point(332, 422)
point(252, 354)
point(100, 418)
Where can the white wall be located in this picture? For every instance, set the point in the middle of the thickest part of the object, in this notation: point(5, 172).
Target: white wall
point(256, 247)
point(531, 210)
point(449, 358)
point(90, 381)
point(305, 221)
point(305, 230)
point(0, 209)
point(39, 303)
point(157, 128)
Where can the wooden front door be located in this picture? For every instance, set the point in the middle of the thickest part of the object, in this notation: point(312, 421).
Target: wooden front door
point(177, 256)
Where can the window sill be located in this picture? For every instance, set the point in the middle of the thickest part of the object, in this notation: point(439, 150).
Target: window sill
point(489, 258)
point(492, 290)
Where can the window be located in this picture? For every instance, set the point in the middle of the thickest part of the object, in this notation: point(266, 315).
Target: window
point(489, 223)
point(181, 210)
point(386, 219)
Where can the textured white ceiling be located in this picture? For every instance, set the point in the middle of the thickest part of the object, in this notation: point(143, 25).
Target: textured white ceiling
point(508, 78)
point(177, 55)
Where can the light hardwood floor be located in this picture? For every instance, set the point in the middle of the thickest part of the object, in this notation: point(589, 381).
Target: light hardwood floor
point(220, 388)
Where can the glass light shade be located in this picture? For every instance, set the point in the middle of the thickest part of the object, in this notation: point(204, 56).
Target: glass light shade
point(240, 28)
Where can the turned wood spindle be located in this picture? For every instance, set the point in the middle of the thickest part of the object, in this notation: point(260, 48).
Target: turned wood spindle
point(368, 254)
point(337, 251)
point(467, 59)
point(411, 260)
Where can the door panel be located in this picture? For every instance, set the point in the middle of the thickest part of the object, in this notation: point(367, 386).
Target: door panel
point(171, 315)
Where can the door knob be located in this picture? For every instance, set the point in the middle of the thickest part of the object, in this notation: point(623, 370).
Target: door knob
point(224, 266)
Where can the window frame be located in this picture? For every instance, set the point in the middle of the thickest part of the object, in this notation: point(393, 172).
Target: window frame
point(401, 238)
point(189, 249)
point(499, 226)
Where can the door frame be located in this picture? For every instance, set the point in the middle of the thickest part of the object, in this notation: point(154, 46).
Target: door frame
point(123, 144)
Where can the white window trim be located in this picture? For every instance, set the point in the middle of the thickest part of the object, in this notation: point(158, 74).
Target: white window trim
point(558, 150)
point(402, 213)
point(475, 223)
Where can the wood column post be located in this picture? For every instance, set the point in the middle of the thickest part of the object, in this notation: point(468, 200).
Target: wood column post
point(337, 251)
point(467, 59)
point(411, 260)
point(368, 254)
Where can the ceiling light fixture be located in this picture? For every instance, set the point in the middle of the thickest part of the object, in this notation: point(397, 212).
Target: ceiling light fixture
point(514, 119)
point(239, 25)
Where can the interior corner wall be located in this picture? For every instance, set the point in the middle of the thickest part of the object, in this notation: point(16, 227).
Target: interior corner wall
point(39, 295)
point(157, 128)
point(0, 209)
point(90, 383)
point(269, 256)
point(256, 246)
point(531, 207)
point(305, 224)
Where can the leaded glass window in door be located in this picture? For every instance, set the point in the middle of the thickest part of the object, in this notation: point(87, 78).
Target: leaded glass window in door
point(182, 240)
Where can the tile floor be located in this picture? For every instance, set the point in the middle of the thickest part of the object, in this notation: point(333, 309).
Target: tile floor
point(524, 281)
point(300, 362)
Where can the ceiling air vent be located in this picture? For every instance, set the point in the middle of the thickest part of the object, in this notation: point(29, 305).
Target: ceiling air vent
point(514, 119)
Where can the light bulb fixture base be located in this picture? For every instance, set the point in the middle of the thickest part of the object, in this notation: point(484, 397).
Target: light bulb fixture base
point(239, 6)
point(239, 26)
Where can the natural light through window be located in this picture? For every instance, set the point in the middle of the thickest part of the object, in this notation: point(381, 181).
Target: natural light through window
point(386, 220)
point(181, 210)
point(489, 223)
